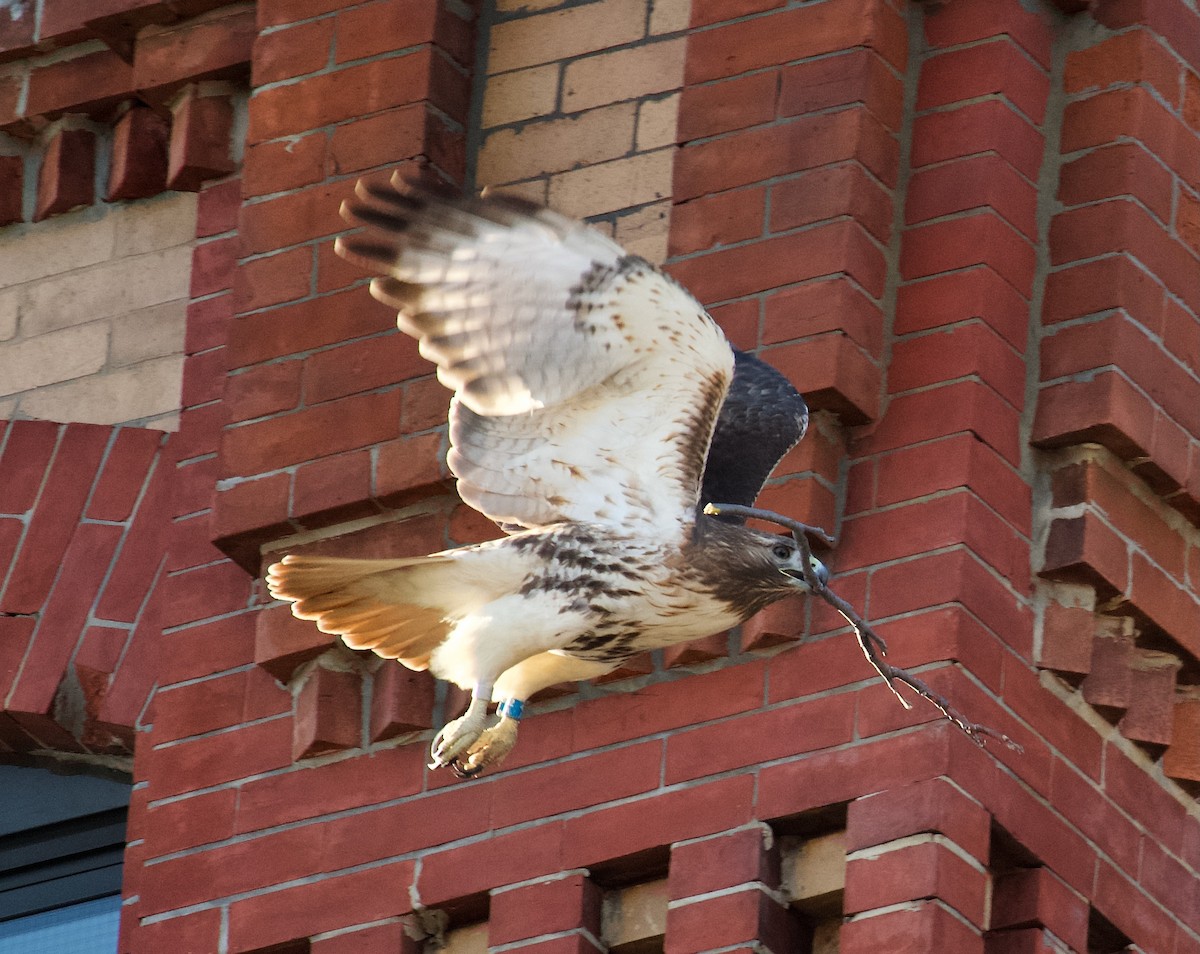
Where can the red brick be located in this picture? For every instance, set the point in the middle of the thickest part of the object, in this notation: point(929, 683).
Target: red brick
point(703, 809)
point(27, 453)
point(752, 155)
point(1133, 57)
point(994, 68)
point(828, 193)
point(217, 208)
point(361, 366)
point(282, 643)
point(1123, 226)
point(971, 22)
point(696, 651)
point(973, 293)
point(822, 306)
point(383, 139)
point(207, 323)
point(1084, 550)
point(138, 164)
point(291, 219)
point(977, 239)
point(16, 34)
point(750, 44)
point(344, 94)
point(984, 181)
point(743, 916)
point(1182, 759)
point(1113, 281)
point(327, 429)
point(851, 76)
point(968, 350)
point(263, 390)
point(735, 103)
point(1171, 607)
point(333, 489)
point(279, 12)
point(1105, 409)
point(551, 906)
point(1066, 645)
point(251, 508)
point(723, 861)
point(88, 83)
point(214, 266)
point(307, 325)
point(720, 219)
point(200, 147)
point(1108, 488)
point(839, 247)
point(924, 870)
point(282, 54)
point(408, 469)
point(190, 822)
point(50, 529)
point(319, 906)
point(1150, 717)
point(271, 280)
point(1083, 804)
point(224, 757)
point(125, 471)
point(1118, 170)
point(987, 126)
point(1134, 913)
point(204, 592)
point(218, 703)
point(286, 164)
point(198, 931)
point(65, 180)
point(1180, 334)
point(914, 929)
point(387, 938)
point(1123, 112)
point(933, 805)
point(215, 47)
point(84, 565)
point(328, 714)
point(12, 189)
point(382, 27)
point(401, 702)
point(760, 737)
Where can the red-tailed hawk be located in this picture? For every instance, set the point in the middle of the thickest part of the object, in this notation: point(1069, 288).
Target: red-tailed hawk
point(587, 389)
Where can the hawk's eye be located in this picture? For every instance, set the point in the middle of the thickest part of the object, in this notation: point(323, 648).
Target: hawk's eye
point(781, 552)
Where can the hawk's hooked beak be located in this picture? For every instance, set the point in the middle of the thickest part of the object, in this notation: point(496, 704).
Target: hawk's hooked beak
point(819, 568)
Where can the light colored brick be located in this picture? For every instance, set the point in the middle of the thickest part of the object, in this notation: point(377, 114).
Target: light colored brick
point(10, 307)
point(644, 231)
point(623, 74)
point(148, 392)
point(152, 332)
point(635, 915)
point(657, 122)
point(561, 34)
point(509, 155)
point(107, 289)
point(615, 185)
point(669, 16)
point(471, 939)
point(166, 220)
point(513, 97)
point(59, 356)
point(30, 252)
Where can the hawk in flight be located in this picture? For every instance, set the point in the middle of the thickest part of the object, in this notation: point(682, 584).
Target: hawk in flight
point(597, 407)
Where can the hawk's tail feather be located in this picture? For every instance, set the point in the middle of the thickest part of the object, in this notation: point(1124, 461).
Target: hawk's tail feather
point(387, 606)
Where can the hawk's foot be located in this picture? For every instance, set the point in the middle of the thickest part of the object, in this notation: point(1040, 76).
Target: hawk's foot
point(458, 736)
point(490, 749)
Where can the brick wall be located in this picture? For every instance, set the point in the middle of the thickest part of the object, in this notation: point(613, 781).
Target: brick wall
point(968, 231)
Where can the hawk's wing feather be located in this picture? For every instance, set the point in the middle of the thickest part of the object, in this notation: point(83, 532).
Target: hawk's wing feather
point(763, 417)
point(587, 382)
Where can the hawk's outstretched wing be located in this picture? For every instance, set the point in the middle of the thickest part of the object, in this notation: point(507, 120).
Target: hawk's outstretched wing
point(761, 420)
point(587, 383)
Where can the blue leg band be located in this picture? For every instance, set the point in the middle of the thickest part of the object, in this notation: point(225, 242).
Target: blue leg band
point(511, 709)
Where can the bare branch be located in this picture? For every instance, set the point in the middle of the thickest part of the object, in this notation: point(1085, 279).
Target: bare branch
point(872, 644)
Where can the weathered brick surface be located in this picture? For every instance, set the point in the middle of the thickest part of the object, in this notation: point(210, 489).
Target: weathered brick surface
point(860, 189)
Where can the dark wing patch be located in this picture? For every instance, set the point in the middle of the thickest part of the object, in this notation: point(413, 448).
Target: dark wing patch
point(761, 420)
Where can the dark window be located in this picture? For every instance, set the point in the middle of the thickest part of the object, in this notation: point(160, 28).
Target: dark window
point(62, 838)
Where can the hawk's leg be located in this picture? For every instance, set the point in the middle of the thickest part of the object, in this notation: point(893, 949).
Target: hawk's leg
point(493, 746)
point(458, 736)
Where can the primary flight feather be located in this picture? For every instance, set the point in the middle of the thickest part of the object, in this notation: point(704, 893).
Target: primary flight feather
point(587, 389)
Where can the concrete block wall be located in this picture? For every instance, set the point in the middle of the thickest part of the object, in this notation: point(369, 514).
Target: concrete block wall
point(967, 232)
